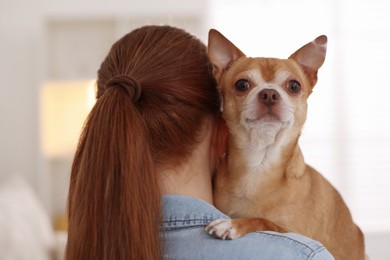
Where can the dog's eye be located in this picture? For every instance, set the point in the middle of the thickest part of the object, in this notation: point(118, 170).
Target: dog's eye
point(242, 85)
point(294, 86)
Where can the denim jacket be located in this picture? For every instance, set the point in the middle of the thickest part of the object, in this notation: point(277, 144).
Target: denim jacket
point(184, 237)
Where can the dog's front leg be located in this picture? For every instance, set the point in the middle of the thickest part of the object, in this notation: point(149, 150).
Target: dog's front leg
point(238, 227)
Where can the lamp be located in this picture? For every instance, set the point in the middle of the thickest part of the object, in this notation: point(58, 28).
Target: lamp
point(64, 108)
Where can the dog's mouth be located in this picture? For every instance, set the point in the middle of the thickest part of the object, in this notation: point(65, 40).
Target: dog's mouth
point(268, 117)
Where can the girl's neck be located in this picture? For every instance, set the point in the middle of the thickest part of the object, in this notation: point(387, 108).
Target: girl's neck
point(193, 177)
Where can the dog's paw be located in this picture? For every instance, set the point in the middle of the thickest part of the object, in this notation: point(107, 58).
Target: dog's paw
point(222, 228)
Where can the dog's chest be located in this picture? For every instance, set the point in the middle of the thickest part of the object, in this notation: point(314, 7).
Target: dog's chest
point(257, 203)
point(244, 196)
point(245, 205)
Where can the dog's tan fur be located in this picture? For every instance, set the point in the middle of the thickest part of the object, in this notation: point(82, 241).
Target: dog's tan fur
point(264, 176)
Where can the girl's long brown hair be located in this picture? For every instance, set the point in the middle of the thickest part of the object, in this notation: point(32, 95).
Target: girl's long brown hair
point(114, 198)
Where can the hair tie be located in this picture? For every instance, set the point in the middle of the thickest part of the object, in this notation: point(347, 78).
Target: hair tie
point(130, 84)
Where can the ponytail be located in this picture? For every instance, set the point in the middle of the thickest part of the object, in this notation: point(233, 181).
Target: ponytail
point(114, 198)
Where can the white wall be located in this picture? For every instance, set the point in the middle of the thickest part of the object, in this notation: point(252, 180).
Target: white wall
point(19, 151)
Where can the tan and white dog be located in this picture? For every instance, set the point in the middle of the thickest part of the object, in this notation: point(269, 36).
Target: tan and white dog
point(264, 182)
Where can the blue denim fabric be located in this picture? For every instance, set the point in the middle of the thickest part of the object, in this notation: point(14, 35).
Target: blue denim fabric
point(184, 237)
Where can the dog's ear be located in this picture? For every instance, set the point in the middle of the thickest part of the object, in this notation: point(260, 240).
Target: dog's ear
point(221, 53)
point(311, 57)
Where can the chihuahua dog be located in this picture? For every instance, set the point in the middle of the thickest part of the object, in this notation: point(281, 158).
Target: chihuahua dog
point(264, 182)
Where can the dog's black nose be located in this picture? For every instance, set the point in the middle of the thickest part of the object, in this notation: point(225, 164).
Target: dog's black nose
point(269, 96)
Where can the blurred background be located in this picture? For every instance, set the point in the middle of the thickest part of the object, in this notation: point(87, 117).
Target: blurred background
point(50, 52)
